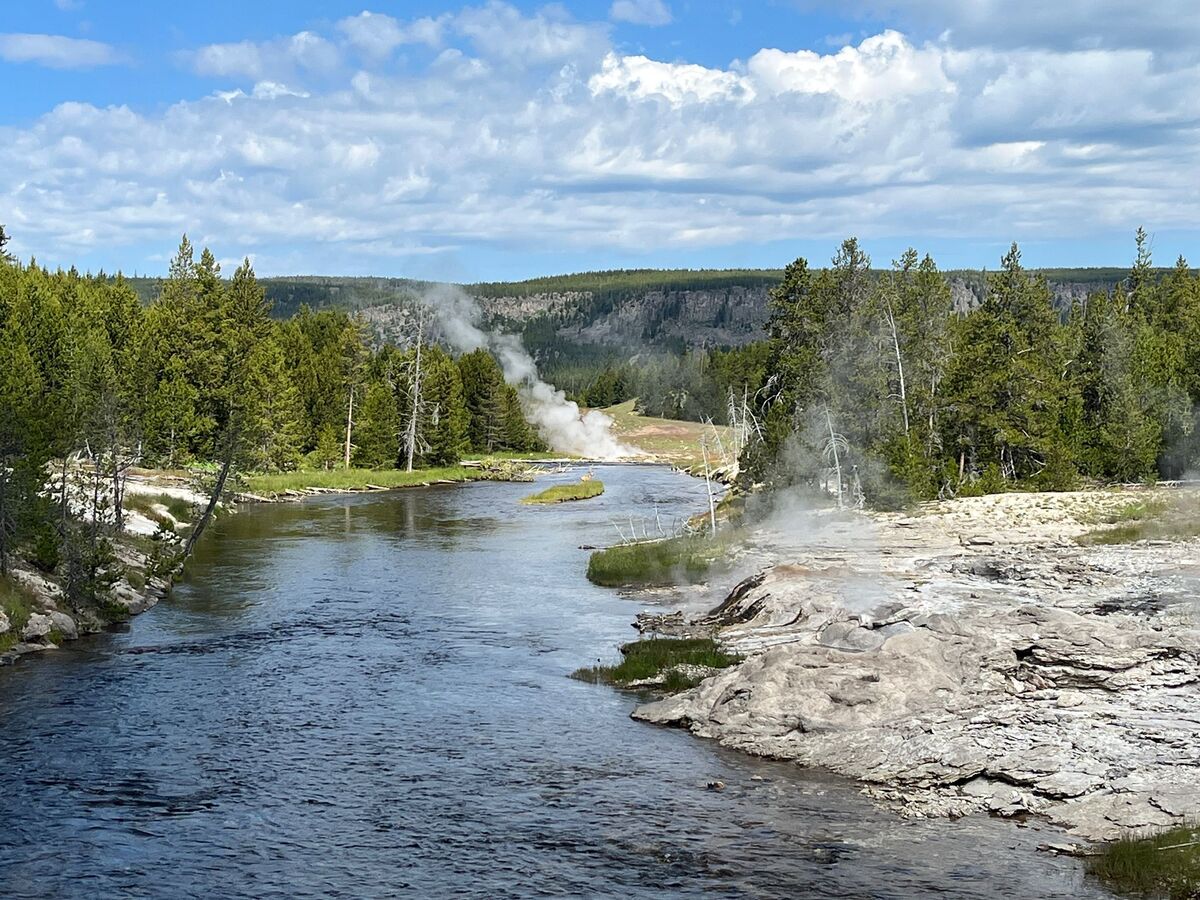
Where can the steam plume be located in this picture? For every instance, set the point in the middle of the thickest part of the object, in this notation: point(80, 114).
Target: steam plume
point(557, 419)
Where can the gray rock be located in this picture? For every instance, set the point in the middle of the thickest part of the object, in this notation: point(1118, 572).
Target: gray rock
point(848, 636)
point(5, 625)
point(1012, 696)
point(65, 625)
point(38, 626)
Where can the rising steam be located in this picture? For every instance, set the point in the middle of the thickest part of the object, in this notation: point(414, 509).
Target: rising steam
point(557, 419)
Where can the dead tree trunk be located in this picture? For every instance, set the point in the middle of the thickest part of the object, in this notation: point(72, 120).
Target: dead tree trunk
point(415, 411)
point(891, 318)
point(349, 424)
point(712, 507)
point(837, 461)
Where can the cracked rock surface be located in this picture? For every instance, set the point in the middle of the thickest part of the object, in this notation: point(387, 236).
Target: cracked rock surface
point(970, 658)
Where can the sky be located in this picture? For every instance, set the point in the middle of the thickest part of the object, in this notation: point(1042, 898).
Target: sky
point(503, 140)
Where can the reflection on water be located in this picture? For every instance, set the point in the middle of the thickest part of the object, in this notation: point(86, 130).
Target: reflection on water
point(365, 697)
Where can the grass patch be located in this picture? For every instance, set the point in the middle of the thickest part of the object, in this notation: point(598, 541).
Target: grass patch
point(1176, 518)
point(355, 479)
point(564, 493)
point(674, 560)
point(660, 659)
point(1166, 864)
point(1133, 511)
point(673, 440)
point(181, 511)
point(16, 602)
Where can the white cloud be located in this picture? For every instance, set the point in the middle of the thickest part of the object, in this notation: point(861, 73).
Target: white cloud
point(640, 12)
point(377, 34)
point(57, 52)
point(500, 31)
point(640, 78)
point(281, 58)
point(529, 132)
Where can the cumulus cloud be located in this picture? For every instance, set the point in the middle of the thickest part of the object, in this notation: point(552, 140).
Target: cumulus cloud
point(532, 131)
point(57, 52)
point(640, 12)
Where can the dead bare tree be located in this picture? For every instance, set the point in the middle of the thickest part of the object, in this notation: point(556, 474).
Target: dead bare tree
point(349, 426)
point(410, 438)
point(712, 506)
point(835, 447)
point(889, 313)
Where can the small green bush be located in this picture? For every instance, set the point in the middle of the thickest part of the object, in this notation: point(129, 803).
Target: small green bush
point(16, 602)
point(44, 551)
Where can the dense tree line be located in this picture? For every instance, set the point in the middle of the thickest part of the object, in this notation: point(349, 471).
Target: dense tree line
point(694, 384)
point(878, 389)
point(95, 382)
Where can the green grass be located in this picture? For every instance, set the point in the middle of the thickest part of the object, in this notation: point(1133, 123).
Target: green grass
point(1152, 867)
point(660, 659)
point(563, 493)
point(15, 601)
point(181, 510)
point(673, 440)
point(1175, 518)
point(355, 479)
point(1133, 511)
point(672, 561)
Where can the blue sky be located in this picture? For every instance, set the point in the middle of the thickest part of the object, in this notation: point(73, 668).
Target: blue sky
point(495, 140)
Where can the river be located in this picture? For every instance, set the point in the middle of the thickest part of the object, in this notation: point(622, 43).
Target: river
point(367, 697)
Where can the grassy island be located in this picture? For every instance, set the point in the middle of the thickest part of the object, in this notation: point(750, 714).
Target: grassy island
point(673, 664)
point(685, 560)
point(565, 493)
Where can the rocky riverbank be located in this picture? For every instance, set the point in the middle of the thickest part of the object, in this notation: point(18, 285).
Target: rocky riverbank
point(156, 506)
point(159, 508)
point(972, 657)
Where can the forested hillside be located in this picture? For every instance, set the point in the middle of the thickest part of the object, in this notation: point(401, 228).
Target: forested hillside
point(677, 339)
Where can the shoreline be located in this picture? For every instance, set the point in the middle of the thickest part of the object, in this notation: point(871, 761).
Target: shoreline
point(972, 657)
point(48, 625)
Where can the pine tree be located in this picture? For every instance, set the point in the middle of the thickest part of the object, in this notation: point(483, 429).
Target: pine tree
point(378, 434)
point(22, 454)
point(282, 413)
point(329, 448)
point(240, 331)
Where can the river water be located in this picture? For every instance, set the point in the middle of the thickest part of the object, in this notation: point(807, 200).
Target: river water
point(367, 697)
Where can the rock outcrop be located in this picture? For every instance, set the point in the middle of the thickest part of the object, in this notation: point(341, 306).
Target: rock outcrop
point(1017, 674)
